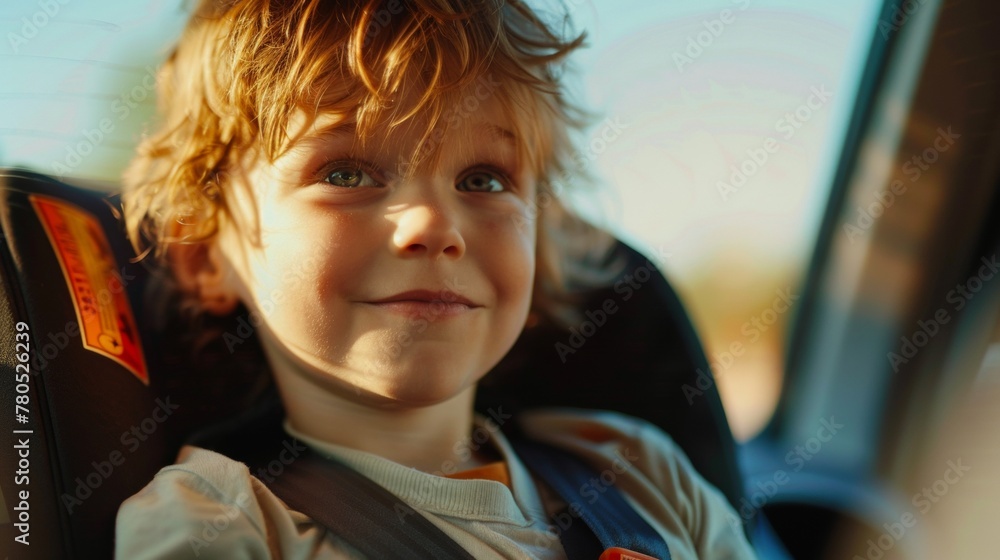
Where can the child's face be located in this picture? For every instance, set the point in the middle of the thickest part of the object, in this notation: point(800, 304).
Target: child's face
point(339, 232)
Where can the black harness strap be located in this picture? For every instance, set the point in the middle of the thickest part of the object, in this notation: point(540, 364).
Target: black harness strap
point(351, 506)
point(365, 515)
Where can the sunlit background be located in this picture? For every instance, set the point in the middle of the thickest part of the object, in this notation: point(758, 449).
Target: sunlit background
point(722, 121)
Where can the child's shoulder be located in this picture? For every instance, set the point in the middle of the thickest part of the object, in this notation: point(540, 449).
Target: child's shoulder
point(630, 452)
point(646, 464)
point(210, 506)
point(579, 428)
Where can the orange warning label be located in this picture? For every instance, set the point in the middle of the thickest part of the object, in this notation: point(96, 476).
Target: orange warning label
point(107, 325)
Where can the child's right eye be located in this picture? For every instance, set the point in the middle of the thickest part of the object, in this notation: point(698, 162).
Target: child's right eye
point(349, 175)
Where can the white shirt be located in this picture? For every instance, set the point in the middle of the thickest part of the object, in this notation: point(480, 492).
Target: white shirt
point(209, 506)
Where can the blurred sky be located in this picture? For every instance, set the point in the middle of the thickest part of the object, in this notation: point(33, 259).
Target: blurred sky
point(689, 122)
point(691, 93)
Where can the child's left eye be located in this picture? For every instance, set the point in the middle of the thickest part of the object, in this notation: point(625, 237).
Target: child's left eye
point(481, 181)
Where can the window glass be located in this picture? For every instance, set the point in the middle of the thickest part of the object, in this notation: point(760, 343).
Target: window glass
point(722, 124)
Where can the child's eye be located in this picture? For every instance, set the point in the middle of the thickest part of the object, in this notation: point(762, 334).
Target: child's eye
point(350, 176)
point(481, 181)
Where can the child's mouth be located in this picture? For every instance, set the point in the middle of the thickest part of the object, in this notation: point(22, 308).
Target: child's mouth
point(426, 304)
point(428, 310)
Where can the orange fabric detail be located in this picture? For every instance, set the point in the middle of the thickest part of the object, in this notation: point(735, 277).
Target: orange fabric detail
point(618, 553)
point(595, 433)
point(493, 471)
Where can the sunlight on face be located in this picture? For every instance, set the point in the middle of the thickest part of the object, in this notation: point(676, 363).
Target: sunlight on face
point(406, 289)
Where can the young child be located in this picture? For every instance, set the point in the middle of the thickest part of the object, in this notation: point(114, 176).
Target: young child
point(377, 182)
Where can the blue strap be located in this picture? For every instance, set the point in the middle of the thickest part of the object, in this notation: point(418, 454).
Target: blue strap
point(613, 521)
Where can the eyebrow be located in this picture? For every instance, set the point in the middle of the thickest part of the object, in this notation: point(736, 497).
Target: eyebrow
point(499, 132)
point(350, 128)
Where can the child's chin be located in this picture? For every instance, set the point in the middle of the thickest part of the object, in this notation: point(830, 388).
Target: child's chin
point(426, 389)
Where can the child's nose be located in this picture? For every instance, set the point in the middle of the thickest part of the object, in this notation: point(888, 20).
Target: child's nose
point(426, 229)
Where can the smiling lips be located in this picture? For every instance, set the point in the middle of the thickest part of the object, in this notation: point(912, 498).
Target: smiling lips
point(426, 304)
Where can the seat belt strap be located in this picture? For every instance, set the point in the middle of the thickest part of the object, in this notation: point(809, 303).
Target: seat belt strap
point(359, 511)
point(349, 505)
point(613, 521)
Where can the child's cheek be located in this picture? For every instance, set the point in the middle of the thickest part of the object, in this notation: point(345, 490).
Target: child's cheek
point(313, 257)
point(509, 256)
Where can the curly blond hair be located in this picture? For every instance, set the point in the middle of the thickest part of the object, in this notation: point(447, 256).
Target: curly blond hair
point(243, 67)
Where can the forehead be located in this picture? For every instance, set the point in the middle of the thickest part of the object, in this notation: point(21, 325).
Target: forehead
point(471, 109)
point(418, 138)
point(335, 125)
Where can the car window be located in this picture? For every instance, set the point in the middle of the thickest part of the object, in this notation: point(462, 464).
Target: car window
point(721, 126)
point(78, 82)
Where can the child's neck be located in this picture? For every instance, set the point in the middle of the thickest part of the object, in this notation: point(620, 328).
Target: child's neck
point(425, 438)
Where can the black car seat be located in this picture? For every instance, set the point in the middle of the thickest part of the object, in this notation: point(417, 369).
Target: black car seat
point(106, 400)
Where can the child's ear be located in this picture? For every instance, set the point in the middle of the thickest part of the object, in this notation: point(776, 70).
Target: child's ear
point(202, 271)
